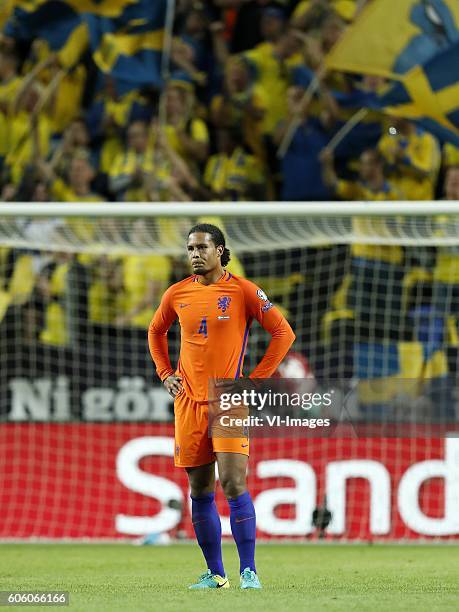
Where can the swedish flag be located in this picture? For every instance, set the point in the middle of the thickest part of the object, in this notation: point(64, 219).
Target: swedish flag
point(429, 94)
point(415, 43)
point(53, 21)
point(125, 36)
point(392, 371)
point(102, 8)
point(390, 37)
point(129, 47)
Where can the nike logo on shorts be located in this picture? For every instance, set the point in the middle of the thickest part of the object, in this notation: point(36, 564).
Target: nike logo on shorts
point(244, 519)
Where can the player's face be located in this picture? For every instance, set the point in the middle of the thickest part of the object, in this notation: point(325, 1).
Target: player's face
point(204, 256)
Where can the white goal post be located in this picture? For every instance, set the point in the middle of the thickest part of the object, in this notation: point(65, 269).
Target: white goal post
point(252, 226)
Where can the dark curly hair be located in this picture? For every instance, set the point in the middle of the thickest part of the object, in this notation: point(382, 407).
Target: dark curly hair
point(217, 238)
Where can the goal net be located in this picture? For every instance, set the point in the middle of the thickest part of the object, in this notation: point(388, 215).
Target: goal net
point(86, 429)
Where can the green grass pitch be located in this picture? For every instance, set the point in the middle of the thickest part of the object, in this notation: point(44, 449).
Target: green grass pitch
point(295, 577)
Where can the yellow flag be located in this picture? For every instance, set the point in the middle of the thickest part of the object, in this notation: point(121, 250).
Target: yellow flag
point(390, 37)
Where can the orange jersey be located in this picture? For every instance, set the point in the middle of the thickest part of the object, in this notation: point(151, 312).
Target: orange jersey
point(215, 321)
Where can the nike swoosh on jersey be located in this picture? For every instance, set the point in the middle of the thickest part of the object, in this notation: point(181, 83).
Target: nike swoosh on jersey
point(183, 305)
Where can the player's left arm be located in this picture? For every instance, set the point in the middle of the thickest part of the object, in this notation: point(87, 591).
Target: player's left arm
point(273, 321)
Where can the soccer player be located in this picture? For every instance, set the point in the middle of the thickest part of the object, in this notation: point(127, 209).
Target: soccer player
point(215, 310)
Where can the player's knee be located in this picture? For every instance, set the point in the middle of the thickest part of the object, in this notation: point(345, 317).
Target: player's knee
point(202, 481)
point(199, 490)
point(201, 486)
point(233, 485)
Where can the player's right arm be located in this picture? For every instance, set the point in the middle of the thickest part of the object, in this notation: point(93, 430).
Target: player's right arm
point(164, 316)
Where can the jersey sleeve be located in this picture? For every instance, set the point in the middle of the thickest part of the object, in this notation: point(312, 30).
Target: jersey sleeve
point(164, 316)
point(273, 321)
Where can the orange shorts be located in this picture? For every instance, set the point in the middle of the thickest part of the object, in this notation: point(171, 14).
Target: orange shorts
point(193, 445)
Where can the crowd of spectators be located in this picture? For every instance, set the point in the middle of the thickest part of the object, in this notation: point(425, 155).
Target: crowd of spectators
point(239, 72)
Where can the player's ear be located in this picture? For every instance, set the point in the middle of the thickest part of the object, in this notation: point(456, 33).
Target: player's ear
point(220, 250)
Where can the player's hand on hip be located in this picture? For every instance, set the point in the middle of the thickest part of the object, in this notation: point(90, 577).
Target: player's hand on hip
point(173, 385)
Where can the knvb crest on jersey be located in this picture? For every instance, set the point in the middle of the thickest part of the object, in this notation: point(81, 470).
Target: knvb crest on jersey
point(223, 303)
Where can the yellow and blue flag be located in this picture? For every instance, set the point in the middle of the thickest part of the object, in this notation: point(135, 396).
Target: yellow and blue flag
point(389, 372)
point(129, 47)
point(390, 37)
point(53, 21)
point(125, 36)
point(429, 94)
point(102, 8)
point(415, 43)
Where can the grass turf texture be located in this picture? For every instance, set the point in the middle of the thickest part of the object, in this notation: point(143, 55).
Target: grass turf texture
point(294, 577)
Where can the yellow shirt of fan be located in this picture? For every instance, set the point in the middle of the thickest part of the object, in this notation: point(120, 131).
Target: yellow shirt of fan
point(450, 154)
point(125, 165)
point(82, 228)
point(235, 173)
point(354, 190)
point(118, 110)
point(112, 148)
point(68, 97)
point(19, 142)
point(3, 135)
point(8, 89)
point(344, 8)
point(197, 130)
point(55, 329)
point(138, 272)
point(447, 266)
point(421, 152)
point(273, 76)
point(62, 192)
point(239, 117)
point(6, 8)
